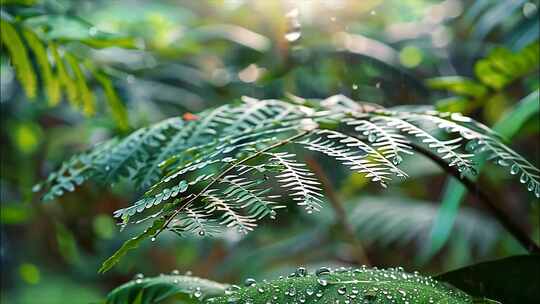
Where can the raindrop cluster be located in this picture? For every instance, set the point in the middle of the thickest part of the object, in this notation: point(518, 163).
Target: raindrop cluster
point(344, 286)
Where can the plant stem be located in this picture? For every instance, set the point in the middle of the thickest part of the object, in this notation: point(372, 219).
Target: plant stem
point(512, 227)
point(224, 172)
point(359, 251)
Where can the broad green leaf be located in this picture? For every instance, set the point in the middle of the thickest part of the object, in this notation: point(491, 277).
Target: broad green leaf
point(362, 285)
point(513, 280)
point(507, 127)
point(19, 58)
point(184, 289)
point(131, 244)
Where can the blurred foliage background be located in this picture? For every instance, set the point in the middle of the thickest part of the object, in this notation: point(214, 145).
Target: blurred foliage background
point(164, 58)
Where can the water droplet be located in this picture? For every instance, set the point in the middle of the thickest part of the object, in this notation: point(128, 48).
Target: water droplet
point(198, 293)
point(250, 282)
point(355, 86)
point(202, 233)
point(514, 169)
point(342, 290)
point(175, 272)
point(300, 272)
point(293, 36)
point(139, 276)
point(36, 188)
point(397, 160)
point(322, 275)
point(529, 9)
point(523, 178)
point(153, 239)
point(372, 137)
point(93, 31)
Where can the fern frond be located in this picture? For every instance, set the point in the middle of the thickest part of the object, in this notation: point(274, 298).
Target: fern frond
point(221, 154)
point(150, 201)
point(364, 159)
point(486, 142)
point(299, 180)
point(195, 221)
point(245, 192)
point(447, 149)
point(231, 216)
point(125, 157)
point(384, 138)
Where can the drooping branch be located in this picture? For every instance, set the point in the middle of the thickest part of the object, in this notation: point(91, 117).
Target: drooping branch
point(512, 227)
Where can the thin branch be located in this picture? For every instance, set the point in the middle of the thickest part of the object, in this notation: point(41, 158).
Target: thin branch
point(224, 172)
point(513, 228)
point(359, 251)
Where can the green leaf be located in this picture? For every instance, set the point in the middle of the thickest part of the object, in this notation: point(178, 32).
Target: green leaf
point(507, 127)
point(347, 286)
point(84, 93)
point(509, 280)
point(459, 85)
point(187, 289)
point(18, 2)
point(66, 28)
point(131, 244)
point(118, 110)
point(50, 83)
point(19, 58)
point(65, 80)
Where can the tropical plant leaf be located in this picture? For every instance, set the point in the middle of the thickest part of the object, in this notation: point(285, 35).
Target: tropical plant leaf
point(362, 285)
point(510, 280)
point(184, 289)
point(204, 169)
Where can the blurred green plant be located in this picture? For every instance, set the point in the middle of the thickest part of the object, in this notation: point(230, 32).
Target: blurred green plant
point(38, 45)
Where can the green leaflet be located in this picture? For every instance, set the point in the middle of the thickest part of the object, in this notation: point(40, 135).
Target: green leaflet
point(507, 127)
point(459, 85)
point(362, 285)
point(118, 110)
point(18, 2)
point(50, 83)
point(131, 244)
point(64, 78)
point(19, 57)
point(187, 289)
point(86, 96)
point(512, 280)
point(501, 67)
